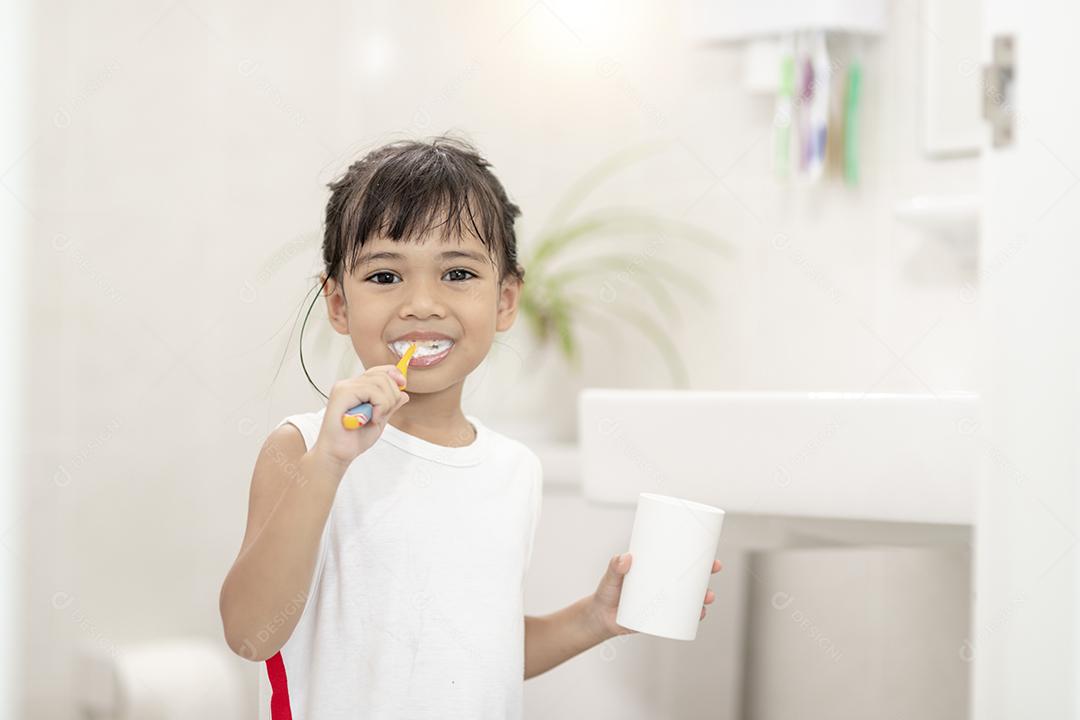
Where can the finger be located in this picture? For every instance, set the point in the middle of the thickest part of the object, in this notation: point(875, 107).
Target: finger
point(391, 383)
point(387, 395)
point(702, 615)
point(709, 597)
point(381, 375)
point(380, 369)
point(716, 566)
point(390, 410)
point(396, 394)
point(402, 399)
point(374, 393)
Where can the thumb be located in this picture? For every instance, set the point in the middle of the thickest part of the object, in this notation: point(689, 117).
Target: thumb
point(617, 568)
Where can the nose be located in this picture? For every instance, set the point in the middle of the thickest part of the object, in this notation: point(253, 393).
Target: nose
point(422, 300)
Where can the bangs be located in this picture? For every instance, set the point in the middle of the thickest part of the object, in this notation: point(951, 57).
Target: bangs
point(420, 189)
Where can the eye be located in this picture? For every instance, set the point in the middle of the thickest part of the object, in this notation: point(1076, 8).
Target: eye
point(462, 270)
point(386, 273)
point(379, 274)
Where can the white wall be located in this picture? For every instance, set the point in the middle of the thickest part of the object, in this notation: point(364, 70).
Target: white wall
point(176, 184)
point(15, 93)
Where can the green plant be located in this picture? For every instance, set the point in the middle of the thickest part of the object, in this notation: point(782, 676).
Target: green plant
point(551, 302)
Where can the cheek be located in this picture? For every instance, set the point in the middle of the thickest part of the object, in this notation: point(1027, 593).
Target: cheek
point(366, 326)
point(479, 317)
point(361, 323)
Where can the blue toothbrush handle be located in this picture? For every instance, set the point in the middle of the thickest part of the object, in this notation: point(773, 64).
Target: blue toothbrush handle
point(354, 417)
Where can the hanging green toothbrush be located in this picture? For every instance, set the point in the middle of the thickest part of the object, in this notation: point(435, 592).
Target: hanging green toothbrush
point(851, 113)
point(784, 114)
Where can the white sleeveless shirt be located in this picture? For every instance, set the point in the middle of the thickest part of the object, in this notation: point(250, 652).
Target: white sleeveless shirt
point(415, 609)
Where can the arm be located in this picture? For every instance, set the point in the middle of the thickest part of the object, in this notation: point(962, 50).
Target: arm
point(553, 639)
point(292, 491)
point(265, 591)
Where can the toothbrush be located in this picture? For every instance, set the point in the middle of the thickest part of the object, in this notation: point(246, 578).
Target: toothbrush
point(783, 119)
point(361, 414)
point(819, 107)
point(851, 119)
point(806, 98)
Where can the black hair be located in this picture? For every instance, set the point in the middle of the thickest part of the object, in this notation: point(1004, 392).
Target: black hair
point(407, 188)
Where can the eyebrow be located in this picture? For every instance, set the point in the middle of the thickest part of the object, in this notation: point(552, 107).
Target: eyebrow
point(366, 258)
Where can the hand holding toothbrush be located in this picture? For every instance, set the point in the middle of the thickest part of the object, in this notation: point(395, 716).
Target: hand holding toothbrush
point(358, 409)
point(359, 415)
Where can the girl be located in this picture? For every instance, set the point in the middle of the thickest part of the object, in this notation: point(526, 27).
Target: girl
point(382, 568)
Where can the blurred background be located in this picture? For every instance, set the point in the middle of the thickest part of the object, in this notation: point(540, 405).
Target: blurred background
point(846, 229)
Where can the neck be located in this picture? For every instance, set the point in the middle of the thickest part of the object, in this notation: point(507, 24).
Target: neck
point(435, 417)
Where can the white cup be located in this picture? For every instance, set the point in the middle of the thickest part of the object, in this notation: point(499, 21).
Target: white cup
point(673, 545)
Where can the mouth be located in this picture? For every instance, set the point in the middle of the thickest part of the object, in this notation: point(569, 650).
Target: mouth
point(428, 352)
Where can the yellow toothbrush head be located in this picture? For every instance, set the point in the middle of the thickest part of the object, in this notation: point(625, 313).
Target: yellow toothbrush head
point(403, 363)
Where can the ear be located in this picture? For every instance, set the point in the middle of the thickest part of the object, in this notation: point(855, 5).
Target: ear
point(336, 307)
point(509, 294)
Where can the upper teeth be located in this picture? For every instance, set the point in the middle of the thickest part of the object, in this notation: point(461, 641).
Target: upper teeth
point(423, 347)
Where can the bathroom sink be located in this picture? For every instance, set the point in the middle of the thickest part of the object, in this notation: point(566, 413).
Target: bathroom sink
point(886, 457)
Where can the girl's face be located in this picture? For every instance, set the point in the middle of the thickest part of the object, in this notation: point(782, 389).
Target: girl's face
point(447, 286)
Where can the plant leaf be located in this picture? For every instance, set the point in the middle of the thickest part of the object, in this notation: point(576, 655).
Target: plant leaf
point(594, 177)
point(646, 279)
point(550, 244)
point(561, 320)
point(678, 277)
point(648, 327)
point(623, 222)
